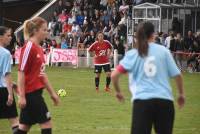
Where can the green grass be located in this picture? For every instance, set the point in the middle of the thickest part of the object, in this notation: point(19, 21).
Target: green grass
point(83, 111)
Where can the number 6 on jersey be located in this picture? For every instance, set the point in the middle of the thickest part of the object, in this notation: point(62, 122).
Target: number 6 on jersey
point(150, 68)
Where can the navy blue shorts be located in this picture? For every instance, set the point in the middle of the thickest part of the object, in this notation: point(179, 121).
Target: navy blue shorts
point(36, 110)
point(157, 113)
point(98, 68)
point(6, 111)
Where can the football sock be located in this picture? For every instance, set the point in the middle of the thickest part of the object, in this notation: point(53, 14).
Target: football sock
point(46, 131)
point(108, 79)
point(97, 81)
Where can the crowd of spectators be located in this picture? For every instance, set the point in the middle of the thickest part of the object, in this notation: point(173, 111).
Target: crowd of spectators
point(183, 48)
point(75, 23)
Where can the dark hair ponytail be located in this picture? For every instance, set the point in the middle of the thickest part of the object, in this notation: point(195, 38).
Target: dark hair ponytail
point(144, 32)
point(3, 30)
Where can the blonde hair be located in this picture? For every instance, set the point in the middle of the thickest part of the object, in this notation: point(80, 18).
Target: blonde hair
point(30, 26)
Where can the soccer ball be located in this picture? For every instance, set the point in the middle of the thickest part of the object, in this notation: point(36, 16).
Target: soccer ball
point(62, 93)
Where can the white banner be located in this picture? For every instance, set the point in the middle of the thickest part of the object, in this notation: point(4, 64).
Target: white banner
point(64, 55)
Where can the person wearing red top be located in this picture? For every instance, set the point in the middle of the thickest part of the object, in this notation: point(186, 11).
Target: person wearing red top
point(32, 79)
point(102, 51)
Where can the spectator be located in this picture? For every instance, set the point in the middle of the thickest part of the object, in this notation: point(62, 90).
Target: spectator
point(89, 39)
point(60, 7)
point(64, 44)
point(179, 49)
point(80, 18)
point(188, 41)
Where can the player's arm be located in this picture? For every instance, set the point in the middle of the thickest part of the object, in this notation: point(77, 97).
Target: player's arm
point(8, 80)
point(21, 87)
point(110, 50)
point(174, 72)
point(50, 89)
point(115, 75)
point(7, 75)
point(179, 84)
point(91, 49)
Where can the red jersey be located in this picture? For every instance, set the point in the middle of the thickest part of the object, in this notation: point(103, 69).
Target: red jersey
point(101, 52)
point(32, 63)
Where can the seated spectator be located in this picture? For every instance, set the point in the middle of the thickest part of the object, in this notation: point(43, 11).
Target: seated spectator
point(194, 58)
point(80, 18)
point(86, 28)
point(68, 6)
point(64, 44)
point(89, 39)
point(105, 17)
point(103, 4)
point(96, 16)
point(66, 27)
point(115, 17)
point(95, 27)
point(76, 7)
point(63, 17)
point(54, 44)
point(75, 29)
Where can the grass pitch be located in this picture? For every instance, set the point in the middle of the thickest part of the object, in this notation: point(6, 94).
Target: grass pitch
point(83, 111)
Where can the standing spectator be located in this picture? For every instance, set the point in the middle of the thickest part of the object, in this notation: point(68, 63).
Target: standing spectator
point(188, 41)
point(179, 49)
point(119, 47)
point(168, 40)
point(32, 79)
point(8, 108)
point(172, 43)
point(150, 66)
point(103, 50)
point(60, 7)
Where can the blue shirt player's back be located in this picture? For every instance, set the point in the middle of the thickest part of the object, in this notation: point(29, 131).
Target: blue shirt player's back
point(149, 76)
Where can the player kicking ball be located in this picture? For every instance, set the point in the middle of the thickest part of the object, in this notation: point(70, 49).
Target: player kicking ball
point(102, 50)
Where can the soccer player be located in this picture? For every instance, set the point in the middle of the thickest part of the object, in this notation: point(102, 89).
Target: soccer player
point(8, 108)
point(102, 51)
point(32, 79)
point(149, 67)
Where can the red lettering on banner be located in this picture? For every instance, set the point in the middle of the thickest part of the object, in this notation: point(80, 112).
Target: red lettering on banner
point(64, 55)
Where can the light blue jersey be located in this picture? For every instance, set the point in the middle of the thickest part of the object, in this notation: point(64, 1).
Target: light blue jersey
point(5, 65)
point(149, 76)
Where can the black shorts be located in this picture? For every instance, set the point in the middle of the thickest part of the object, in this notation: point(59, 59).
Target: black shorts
point(36, 110)
point(6, 111)
point(153, 112)
point(98, 68)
